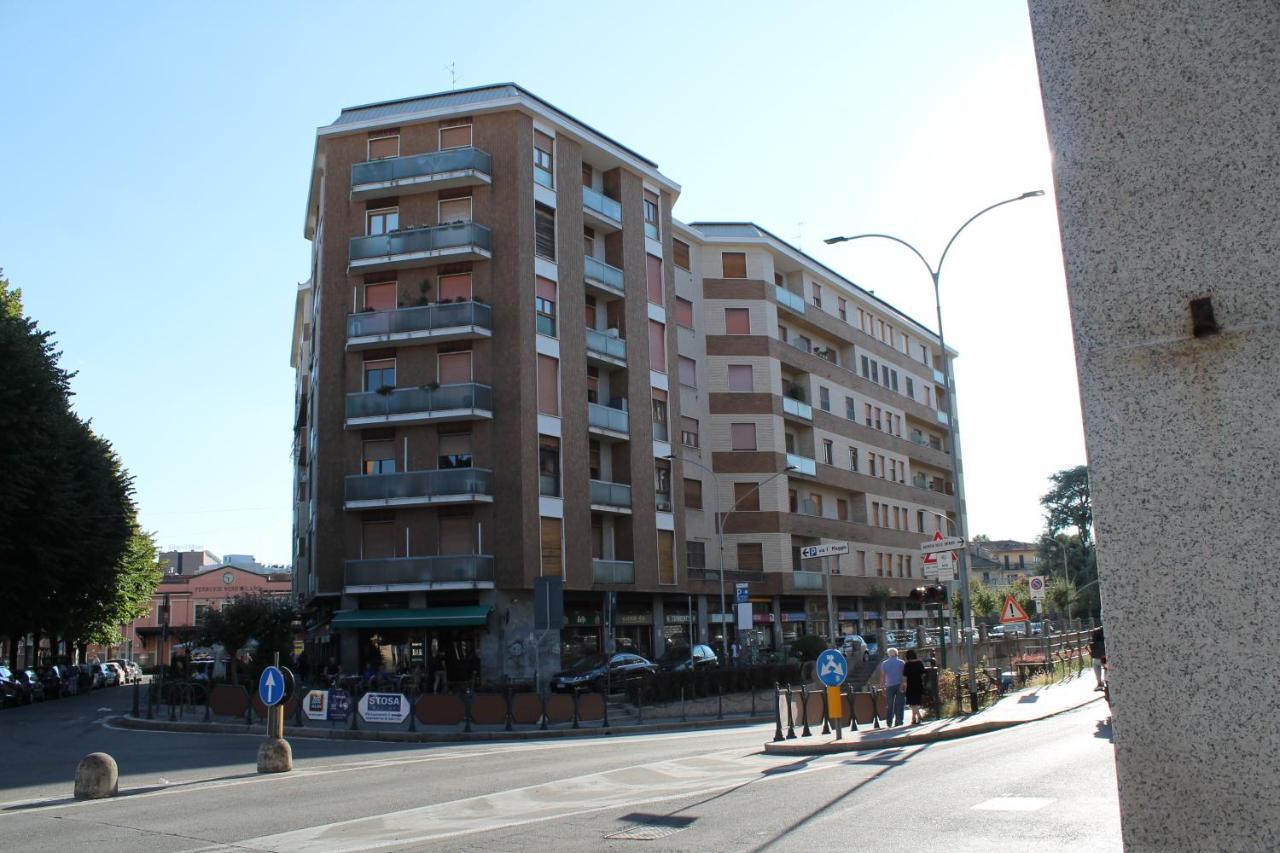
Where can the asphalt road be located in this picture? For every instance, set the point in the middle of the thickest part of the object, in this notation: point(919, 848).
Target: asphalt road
point(1048, 785)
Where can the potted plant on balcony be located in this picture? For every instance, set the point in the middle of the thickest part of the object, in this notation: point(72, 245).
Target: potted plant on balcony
point(796, 392)
point(431, 386)
point(424, 287)
point(384, 390)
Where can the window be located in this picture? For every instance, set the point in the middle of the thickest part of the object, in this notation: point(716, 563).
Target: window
point(589, 242)
point(680, 253)
point(543, 146)
point(381, 221)
point(545, 306)
point(888, 334)
point(548, 465)
point(746, 497)
point(884, 375)
point(657, 346)
point(455, 210)
point(824, 398)
point(750, 557)
point(791, 500)
point(879, 328)
point(548, 385)
point(689, 431)
point(861, 563)
point(662, 484)
point(650, 215)
point(653, 279)
point(455, 134)
point(455, 286)
point(454, 450)
point(593, 459)
point(920, 521)
point(815, 504)
point(850, 409)
point(737, 321)
point(659, 414)
point(843, 308)
point(453, 368)
point(380, 297)
point(378, 539)
point(911, 388)
point(853, 459)
point(693, 494)
point(544, 232)
point(802, 342)
point(552, 552)
point(875, 513)
point(928, 397)
point(695, 554)
point(816, 290)
point(828, 451)
point(202, 613)
point(688, 372)
point(893, 379)
point(684, 313)
point(879, 564)
point(897, 521)
point(587, 175)
point(871, 461)
point(740, 377)
point(744, 436)
point(379, 374)
point(733, 264)
point(866, 368)
point(842, 509)
point(383, 145)
point(379, 457)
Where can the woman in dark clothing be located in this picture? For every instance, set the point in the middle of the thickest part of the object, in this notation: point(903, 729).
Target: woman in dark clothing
point(913, 675)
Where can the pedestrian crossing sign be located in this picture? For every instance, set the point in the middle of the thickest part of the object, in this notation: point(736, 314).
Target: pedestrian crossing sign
point(1012, 612)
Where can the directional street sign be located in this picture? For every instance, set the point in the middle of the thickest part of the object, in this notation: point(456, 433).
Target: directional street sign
point(1012, 612)
point(832, 668)
point(946, 570)
point(810, 552)
point(941, 543)
point(271, 686)
point(1037, 587)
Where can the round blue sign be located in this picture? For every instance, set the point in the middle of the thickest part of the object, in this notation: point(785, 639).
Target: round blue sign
point(271, 686)
point(832, 668)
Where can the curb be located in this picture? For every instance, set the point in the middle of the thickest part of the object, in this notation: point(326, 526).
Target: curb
point(319, 733)
point(837, 747)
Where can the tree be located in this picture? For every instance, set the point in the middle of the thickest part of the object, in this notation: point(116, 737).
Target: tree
point(983, 599)
point(981, 537)
point(1067, 503)
point(1060, 594)
point(266, 619)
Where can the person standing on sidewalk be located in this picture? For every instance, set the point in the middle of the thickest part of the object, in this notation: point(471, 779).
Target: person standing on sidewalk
point(1098, 651)
point(913, 676)
point(891, 680)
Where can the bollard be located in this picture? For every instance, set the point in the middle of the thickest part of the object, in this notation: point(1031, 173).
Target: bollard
point(791, 726)
point(804, 709)
point(275, 756)
point(575, 708)
point(208, 714)
point(683, 717)
point(150, 707)
point(297, 708)
point(137, 691)
point(354, 713)
point(97, 777)
point(509, 694)
point(777, 714)
point(875, 708)
point(543, 697)
point(719, 697)
point(853, 714)
point(467, 728)
point(826, 714)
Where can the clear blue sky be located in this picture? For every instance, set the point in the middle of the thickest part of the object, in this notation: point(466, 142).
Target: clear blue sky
point(153, 177)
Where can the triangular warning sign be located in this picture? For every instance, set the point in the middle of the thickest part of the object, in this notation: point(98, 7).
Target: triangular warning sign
point(1012, 612)
point(932, 559)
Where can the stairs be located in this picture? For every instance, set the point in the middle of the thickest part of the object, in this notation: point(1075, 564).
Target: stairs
point(863, 672)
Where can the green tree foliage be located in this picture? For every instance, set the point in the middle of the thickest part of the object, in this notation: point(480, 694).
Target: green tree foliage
point(808, 647)
point(1067, 503)
point(1060, 594)
point(981, 538)
point(262, 622)
point(984, 600)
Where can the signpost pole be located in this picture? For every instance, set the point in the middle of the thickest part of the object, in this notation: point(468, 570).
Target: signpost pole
point(831, 616)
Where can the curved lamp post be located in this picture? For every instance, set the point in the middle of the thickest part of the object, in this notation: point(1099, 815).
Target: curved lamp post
point(935, 273)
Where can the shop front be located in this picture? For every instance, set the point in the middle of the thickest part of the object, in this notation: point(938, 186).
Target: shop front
point(582, 634)
point(633, 630)
point(419, 641)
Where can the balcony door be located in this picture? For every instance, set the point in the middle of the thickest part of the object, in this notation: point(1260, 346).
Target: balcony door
point(454, 367)
point(457, 534)
point(378, 540)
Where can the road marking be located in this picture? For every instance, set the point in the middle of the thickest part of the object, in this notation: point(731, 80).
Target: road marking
point(1012, 804)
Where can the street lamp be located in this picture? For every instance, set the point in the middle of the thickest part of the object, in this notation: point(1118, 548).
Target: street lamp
point(721, 519)
point(935, 273)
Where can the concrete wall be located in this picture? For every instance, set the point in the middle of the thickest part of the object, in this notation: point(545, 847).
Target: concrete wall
point(1163, 121)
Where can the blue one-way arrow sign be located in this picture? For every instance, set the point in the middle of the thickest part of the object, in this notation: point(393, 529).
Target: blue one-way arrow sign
point(271, 686)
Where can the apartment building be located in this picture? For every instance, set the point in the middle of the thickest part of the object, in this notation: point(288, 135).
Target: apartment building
point(524, 390)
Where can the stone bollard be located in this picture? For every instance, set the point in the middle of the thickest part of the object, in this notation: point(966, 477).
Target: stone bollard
point(275, 756)
point(96, 777)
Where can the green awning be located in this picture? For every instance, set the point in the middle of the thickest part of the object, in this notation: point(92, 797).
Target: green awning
point(427, 617)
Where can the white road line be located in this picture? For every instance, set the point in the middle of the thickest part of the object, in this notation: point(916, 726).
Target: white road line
point(1012, 804)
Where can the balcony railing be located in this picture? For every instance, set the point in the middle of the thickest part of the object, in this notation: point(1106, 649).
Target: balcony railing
point(604, 493)
point(803, 464)
point(435, 239)
point(923, 441)
point(601, 204)
point(785, 297)
point(467, 399)
point(942, 417)
point(662, 502)
point(433, 486)
point(391, 571)
point(660, 431)
point(424, 319)
point(613, 571)
point(605, 417)
point(419, 168)
point(602, 273)
point(606, 344)
point(797, 408)
point(807, 580)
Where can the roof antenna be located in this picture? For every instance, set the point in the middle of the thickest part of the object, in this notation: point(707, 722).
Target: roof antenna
point(453, 74)
point(800, 235)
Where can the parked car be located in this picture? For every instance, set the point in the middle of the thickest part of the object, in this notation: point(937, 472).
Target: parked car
point(872, 644)
point(115, 669)
point(82, 675)
point(102, 676)
point(57, 681)
point(32, 686)
point(685, 658)
point(996, 632)
point(855, 648)
point(603, 672)
point(128, 669)
point(10, 690)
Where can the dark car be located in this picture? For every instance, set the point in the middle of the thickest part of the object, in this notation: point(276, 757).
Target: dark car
point(10, 690)
point(56, 681)
point(608, 673)
point(32, 686)
point(684, 658)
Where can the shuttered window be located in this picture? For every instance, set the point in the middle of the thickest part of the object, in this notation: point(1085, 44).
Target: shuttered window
point(684, 313)
point(666, 557)
point(454, 287)
point(750, 557)
point(548, 385)
point(746, 496)
point(544, 232)
point(455, 134)
point(382, 297)
point(744, 436)
point(552, 552)
point(734, 264)
point(680, 253)
point(657, 346)
point(740, 377)
point(653, 278)
point(384, 146)
point(693, 494)
point(455, 368)
point(378, 540)
point(737, 321)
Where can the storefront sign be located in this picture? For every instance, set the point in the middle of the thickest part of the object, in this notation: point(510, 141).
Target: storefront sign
point(633, 619)
point(384, 707)
point(848, 615)
point(677, 618)
point(581, 617)
point(795, 617)
point(316, 704)
point(759, 618)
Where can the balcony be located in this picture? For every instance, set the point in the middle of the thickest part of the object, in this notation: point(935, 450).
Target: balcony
point(662, 502)
point(942, 417)
point(451, 571)
point(610, 497)
point(608, 421)
point(607, 349)
point(802, 465)
point(787, 299)
point(930, 442)
point(797, 409)
point(420, 173)
point(600, 211)
point(419, 488)
point(458, 241)
point(613, 571)
point(422, 324)
point(807, 580)
point(463, 402)
point(602, 277)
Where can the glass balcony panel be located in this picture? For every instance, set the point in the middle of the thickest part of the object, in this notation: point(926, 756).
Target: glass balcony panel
point(601, 204)
point(422, 318)
point(449, 568)
point(660, 431)
point(603, 273)
point(609, 418)
point(606, 344)
point(421, 166)
point(605, 493)
point(410, 241)
point(942, 417)
point(419, 484)
point(613, 571)
point(662, 502)
point(406, 401)
point(542, 177)
point(797, 408)
point(791, 300)
point(803, 464)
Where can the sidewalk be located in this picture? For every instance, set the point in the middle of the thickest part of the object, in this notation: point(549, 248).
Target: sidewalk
point(1018, 707)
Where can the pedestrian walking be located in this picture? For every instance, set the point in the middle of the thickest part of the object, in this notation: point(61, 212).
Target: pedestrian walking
point(913, 676)
point(1098, 651)
point(891, 680)
point(440, 679)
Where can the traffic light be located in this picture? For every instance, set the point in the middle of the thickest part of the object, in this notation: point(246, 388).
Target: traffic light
point(918, 595)
point(933, 594)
